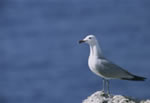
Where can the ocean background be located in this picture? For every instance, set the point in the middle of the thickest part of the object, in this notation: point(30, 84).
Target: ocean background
point(42, 62)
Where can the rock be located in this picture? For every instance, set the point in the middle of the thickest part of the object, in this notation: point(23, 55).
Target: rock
point(101, 97)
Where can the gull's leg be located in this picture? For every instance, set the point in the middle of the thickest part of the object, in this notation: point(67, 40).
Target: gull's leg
point(104, 84)
point(108, 92)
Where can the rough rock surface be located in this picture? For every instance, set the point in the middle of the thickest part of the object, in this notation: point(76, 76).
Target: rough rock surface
point(100, 97)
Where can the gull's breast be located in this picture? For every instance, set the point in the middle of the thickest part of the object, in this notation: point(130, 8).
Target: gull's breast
point(95, 65)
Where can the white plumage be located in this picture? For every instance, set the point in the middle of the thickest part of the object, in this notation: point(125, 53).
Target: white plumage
point(103, 67)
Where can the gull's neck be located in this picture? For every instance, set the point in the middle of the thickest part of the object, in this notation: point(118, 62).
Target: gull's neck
point(95, 50)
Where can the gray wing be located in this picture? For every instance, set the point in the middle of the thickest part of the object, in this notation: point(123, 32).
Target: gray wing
point(111, 70)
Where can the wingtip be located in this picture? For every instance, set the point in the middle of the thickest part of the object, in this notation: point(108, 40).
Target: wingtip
point(135, 78)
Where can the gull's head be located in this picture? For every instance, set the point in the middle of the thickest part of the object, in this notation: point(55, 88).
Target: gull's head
point(90, 39)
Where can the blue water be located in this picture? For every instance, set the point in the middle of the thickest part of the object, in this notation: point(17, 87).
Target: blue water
point(41, 61)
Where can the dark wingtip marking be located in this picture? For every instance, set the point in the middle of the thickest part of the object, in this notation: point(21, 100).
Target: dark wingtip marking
point(135, 78)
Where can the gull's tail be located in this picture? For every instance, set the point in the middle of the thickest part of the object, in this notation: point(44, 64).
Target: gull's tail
point(135, 78)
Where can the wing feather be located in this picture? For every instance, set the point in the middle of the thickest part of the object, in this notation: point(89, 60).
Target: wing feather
point(111, 70)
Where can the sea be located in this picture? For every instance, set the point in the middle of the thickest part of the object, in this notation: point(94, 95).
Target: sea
point(42, 62)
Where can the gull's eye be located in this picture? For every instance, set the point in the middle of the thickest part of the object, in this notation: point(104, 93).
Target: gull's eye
point(90, 38)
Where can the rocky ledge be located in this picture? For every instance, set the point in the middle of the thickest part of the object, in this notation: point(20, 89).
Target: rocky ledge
point(100, 97)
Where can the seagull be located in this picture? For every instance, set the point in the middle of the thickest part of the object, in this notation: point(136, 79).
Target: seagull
point(103, 67)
